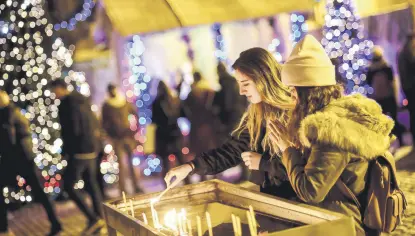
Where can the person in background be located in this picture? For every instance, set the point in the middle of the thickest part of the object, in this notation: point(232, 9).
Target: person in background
point(259, 77)
point(16, 158)
point(227, 103)
point(330, 136)
point(80, 136)
point(380, 78)
point(198, 109)
point(116, 113)
point(169, 140)
point(406, 65)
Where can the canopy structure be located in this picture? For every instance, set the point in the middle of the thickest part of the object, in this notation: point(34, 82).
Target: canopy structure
point(142, 16)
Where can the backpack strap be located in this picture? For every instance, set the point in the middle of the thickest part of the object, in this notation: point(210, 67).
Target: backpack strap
point(347, 192)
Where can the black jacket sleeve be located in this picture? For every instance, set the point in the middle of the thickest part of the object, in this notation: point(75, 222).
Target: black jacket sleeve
point(224, 157)
point(23, 134)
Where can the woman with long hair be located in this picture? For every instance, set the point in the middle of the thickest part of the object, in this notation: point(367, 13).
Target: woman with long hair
point(258, 75)
point(330, 137)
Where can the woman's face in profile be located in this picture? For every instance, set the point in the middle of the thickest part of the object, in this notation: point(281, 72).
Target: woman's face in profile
point(247, 88)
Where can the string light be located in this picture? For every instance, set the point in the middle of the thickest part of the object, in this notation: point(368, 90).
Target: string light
point(298, 27)
point(136, 83)
point(220, 53)
point(273, 46)
point(27, 69)
point(70, 24)
point(344, 41)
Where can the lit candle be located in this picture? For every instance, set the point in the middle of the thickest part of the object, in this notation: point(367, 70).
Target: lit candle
point(179, 223)
point(254, 224)
point(131, 208)
point(189, 228)
point(145, 218)
point(251, 228)
point(199, 226)
point(154, 213)
point(235, 230)
point(238, 225)
point(209, 224)
point(183, 220)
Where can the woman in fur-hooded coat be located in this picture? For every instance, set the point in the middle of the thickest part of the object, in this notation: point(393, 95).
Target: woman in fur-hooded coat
point(330, 136)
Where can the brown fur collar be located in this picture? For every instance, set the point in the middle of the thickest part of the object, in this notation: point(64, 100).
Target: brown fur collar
point(352, 123)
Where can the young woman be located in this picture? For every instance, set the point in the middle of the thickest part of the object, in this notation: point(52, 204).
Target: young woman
point(329, 136)
point(258, 76)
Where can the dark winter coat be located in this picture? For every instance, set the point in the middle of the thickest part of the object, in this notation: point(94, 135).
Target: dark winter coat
point(380, 78)
point(168, 135)
point(272, 176)
point(15, 135)
point(406, 65)
point(80, 128)
point(228, 105)
point(115, 112)
point(341, 139)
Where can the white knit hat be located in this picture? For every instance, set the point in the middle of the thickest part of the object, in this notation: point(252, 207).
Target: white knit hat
point(308, 65)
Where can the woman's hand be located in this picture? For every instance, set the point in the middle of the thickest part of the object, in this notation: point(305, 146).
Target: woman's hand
point(278, 135)
point(252, 160)
point(180, 172)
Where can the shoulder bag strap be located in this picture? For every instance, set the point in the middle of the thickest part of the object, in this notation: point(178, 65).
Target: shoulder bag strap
point(347, 192)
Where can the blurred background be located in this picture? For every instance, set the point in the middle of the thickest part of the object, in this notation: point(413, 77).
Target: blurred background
point(135, 45)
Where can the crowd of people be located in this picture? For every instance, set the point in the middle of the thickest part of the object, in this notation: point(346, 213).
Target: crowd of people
point(298, 136)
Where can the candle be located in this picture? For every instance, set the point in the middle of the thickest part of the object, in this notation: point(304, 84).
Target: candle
point(125, 199)
point(189, 228)
point(183, 220)
point(180, 223)
point(235, 230)
point(238, 225)
point(145, 218)
point(154, 213)
point(199, 226)
point(131, 208)
point(209, 224)
point(254, 224)
point(251, 228)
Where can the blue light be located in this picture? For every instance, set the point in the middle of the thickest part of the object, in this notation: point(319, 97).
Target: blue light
point(64, 24)
point(139, 103)
point(146, 97)
point(147, 172)
point(142, 120)
point(57, 26)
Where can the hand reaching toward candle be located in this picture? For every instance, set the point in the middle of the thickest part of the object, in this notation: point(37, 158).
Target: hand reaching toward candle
point(180, 172)
point(252, 160)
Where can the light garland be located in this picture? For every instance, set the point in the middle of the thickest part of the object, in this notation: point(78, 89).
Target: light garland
point(273, 46)
point(220, 53)
point(70, 24)
point(298, 27)
point(344, 40)
point(137, 91)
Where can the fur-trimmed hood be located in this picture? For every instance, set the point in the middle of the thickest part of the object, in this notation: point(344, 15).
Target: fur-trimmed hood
point(352, 123)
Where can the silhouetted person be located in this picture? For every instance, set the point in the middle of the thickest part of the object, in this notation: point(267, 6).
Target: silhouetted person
point(228, 105)
point(169, 139)
point(380, 78)
point(16, 158)
point(80, 133)
point(115, 113)
point(406, 64)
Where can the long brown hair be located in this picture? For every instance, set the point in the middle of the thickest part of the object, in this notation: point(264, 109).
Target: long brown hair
point(309, 101)
point(260, 66)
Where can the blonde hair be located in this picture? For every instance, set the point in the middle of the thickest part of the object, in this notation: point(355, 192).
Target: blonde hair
point(260, 66)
